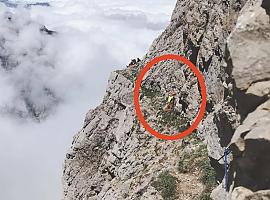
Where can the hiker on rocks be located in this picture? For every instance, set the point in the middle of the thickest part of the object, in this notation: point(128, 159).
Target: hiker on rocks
point(183, 102)
point(170, 102)
point(228, 89)
point(133, 63)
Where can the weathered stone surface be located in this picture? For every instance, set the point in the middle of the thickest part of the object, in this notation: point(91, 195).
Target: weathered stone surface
point(260, 89)
point(219, 193)
point(241, 193)
point(249, 46)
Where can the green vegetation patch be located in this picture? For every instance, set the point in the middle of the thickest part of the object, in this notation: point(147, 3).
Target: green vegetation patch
point(165, 119)
point(198, 159)
point(192, 139)
point(173, 119)
point(194, 159)
point(150, 93)
point(166, 184)
point(205, 196)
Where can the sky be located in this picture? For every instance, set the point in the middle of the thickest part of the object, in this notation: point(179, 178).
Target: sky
point(93, 38)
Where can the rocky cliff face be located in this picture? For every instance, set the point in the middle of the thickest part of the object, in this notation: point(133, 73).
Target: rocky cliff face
point(249, 47)
point(113, 157)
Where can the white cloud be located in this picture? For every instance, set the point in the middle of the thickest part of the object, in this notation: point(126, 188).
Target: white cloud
point(94, 38)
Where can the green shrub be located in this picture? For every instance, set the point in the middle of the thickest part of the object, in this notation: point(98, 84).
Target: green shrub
point(205, 196)
point(199, 159)
point(183, 166)
point(150, 93)
point(189, 161)
point(173, 119)
point(193, 138)
point(208, 177)
point(184, 163)
point(166, 184)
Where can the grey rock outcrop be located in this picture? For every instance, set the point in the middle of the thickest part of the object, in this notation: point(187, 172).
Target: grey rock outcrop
point(249, 46)
point(241, 193)
point(113, 157)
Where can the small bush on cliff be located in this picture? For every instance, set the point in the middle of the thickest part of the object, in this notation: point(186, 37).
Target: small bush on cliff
point(189, 161)
point(198, 159)
point(205, 196)
point(150, 93)
point(166, 184)
point(173, 119)
point(208, 174)
point(191, 139)
point(183, 165)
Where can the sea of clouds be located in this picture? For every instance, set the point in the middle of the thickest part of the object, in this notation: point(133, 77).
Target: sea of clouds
point(63, 75)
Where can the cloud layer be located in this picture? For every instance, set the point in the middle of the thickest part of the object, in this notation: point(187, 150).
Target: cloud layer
point(27, 57)
point(65, 74)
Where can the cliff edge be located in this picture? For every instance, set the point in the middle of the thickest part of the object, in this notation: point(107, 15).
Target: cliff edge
point(113, 157)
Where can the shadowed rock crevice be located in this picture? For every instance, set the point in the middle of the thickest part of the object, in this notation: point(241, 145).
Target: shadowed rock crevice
point(252, 166)
point(219, 169)
point(247, 103)
point(206, 63)
point(266, 6)
point(225, 129)
point(195, 50)
point(209, 106)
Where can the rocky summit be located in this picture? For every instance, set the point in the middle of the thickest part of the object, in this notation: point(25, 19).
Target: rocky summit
point(114, 157)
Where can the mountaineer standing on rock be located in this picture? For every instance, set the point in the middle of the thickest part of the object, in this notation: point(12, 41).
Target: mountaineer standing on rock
point(183, 102)
point(170, 102)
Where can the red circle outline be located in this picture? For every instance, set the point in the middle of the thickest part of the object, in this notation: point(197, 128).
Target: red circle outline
point(140, 116)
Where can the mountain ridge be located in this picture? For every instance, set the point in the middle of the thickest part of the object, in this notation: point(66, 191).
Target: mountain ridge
point(113, 157)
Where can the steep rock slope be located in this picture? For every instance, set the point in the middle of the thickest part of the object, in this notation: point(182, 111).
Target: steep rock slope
point(113, 157)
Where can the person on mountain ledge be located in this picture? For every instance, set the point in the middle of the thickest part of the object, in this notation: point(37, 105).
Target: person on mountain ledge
point(133, 63)
point(183, 102)
point(170, 102)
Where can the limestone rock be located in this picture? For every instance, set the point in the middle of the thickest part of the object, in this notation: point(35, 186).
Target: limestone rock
point(249, 46)
point(241, 193)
